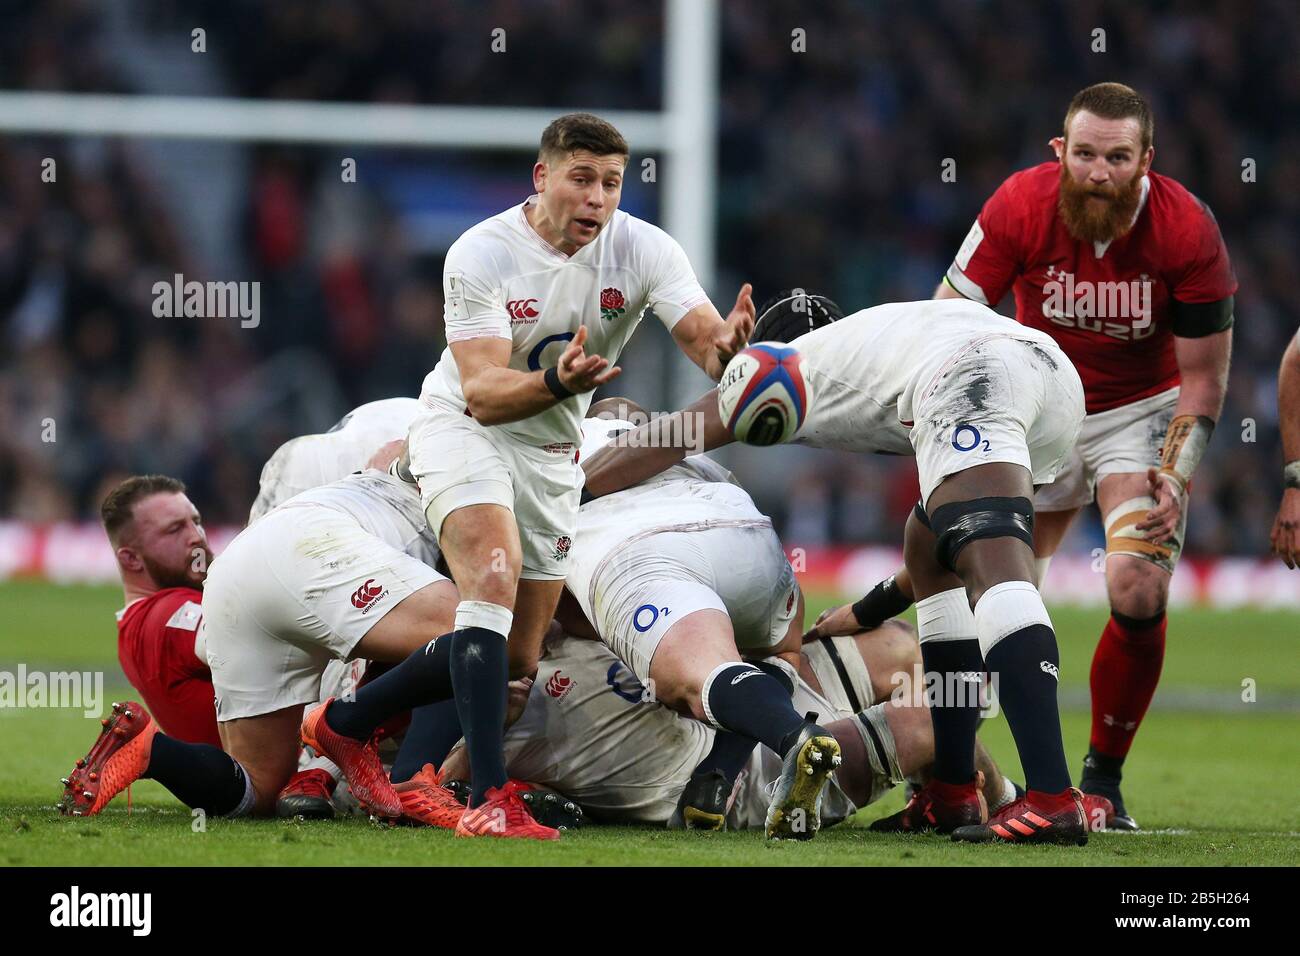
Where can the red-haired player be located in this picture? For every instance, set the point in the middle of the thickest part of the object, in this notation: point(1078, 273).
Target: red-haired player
point(1127, 271)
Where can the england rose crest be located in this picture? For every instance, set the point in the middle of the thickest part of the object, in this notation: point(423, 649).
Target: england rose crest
point(562, 544)
point(612, 303)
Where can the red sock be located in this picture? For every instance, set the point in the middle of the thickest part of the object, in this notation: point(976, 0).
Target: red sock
point(1125, 671)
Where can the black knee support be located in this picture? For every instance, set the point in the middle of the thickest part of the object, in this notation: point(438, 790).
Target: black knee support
point(961, 522)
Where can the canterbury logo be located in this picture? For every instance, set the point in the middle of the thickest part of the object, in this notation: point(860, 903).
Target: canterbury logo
point(522, 308)
point(367, 594)
point(558, 686)
point(739, 677)
point(1047, 667)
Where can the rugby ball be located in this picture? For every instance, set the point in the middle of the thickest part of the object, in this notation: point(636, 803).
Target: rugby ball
point(764, 395)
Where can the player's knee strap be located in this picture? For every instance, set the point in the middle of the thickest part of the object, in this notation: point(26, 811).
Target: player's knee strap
point(961, 522)
point(1006, 608)
point(1122, 536)
point(484, 614)
point(945, 616)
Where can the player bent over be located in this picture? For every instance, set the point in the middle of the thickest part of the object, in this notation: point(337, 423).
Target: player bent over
point(680, 576)
point(330, 575)
point(990, 409)
point(529, 293)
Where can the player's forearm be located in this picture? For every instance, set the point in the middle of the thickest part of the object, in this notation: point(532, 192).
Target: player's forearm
point(1203, 367)
point(497, 395)
point(634, 457)
point(946, 291)
point(1288, 401)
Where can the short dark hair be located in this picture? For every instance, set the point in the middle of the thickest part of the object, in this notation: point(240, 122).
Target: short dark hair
point(1114, 101)
point(574, 131)
point(117, 510)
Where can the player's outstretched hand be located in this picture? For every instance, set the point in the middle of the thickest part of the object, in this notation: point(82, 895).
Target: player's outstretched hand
point(1161, 522)
point(733, 335)
point(517, 698)
point(1286, 529)
point(580, 372)
point(833, 622)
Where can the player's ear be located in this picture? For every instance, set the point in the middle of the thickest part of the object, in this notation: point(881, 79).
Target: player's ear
point(1147, 160)
point(540, 173)
point(129, 560)
point(1058, 146)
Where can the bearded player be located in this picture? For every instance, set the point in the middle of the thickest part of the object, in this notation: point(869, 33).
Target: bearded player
point(527, 292)
point(1126, 270)
point(1285, 538)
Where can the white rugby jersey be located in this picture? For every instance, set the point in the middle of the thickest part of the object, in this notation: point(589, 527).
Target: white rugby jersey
point(591, 732)
point(502, 280)
point(870, 368)
point(310, 461)
point(382, 505)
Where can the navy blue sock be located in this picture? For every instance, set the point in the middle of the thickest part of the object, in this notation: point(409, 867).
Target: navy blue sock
point(423, 678)
point(434, 730)
point(1027, 664)
point(200, 776)
point(954, 706)
point(746, 701)
point(730, 751)
point(478, 672)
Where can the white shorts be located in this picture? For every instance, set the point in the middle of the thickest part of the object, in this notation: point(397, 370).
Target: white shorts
point(297, 589)
point(1001, 399)
point(656, 580)
point(458, 462)
point(1122, 440)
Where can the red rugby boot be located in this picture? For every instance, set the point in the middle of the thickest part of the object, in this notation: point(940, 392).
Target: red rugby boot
point(117, 760)
point(425, 800)
point(938, 807)
point(359, 761)
point(503, 814)
point(1037, 817)
point(307, 796)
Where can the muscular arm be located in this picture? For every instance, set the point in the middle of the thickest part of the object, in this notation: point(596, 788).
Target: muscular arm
point(1203, 365)
point(654, 447)
point(494, 392)
point(709, 341)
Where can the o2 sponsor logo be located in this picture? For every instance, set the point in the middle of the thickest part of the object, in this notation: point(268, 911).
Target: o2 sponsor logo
point(646, 616)
point(967, 438)
point(624, 683)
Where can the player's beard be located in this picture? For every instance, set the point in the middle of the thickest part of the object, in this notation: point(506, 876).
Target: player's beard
point(1094, 222)
point(188, 575)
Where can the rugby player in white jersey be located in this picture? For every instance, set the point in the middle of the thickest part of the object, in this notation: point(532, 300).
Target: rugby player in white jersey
point(594, 732)
point(527, 293)
point(336, 573)
point(680, 576)
point(991, 410)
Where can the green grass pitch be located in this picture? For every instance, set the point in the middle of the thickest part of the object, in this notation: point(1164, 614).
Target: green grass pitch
point(1211, 778)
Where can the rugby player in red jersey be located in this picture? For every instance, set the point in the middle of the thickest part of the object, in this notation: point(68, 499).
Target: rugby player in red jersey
point(1127, 270)
point(162, 557)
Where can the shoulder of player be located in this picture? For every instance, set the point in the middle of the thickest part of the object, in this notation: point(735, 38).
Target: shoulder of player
point(487, 246)
point(158, 609)
point(1169, 199)
point(637, 236)
point(1039, 183)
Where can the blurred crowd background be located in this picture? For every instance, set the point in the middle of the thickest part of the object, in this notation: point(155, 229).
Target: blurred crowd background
point(828, 173)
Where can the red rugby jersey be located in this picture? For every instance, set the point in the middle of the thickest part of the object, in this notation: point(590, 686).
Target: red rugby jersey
point(1108, 305)
point(155, 645)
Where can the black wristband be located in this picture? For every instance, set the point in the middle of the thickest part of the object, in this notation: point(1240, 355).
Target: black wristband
point(881, 603)
point(585, 496)
point(552, 379)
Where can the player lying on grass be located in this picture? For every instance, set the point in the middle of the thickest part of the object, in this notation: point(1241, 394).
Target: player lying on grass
point(990, 409)
point(336, 573)
point(680, 576)
point(594, 732)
